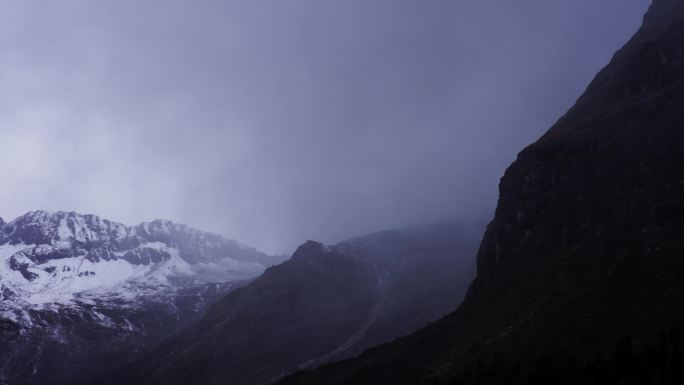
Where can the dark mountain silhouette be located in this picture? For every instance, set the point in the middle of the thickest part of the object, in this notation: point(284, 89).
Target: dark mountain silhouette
point(325, 303)
point(580, 272)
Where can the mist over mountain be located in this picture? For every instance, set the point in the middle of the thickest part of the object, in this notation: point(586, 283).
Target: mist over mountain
point(579, 273)
point(324, 304)
point(277, 122)
point(88, 300)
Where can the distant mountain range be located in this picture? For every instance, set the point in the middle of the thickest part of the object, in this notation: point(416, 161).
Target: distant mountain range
point(86, 300)
point(75, 288)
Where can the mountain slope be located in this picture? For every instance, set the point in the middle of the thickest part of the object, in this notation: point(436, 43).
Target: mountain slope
point(579, 273)
point(78, 292)
point(325, 303)
point(56, 258)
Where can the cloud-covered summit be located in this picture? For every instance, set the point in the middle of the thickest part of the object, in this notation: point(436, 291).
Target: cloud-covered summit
point(274, 122)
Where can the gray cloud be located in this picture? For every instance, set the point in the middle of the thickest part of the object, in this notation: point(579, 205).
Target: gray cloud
point(273, 122)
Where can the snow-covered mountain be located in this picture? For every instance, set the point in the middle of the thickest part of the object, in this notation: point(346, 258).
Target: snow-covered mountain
point(56, 258)
point(65, 277)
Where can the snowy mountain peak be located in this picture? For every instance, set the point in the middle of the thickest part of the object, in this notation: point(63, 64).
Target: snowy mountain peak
point(55, 257)
point(42, 227)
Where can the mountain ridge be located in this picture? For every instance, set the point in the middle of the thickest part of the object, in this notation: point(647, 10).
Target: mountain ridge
point(579, 272)
point(76, 289)
point(326, 302)
point(45, 221)
point(59, 249)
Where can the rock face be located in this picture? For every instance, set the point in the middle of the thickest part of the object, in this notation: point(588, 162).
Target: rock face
point(325, 303)
point(78, 291)
point(71, 344)
point(56, 258)
point(579, 273)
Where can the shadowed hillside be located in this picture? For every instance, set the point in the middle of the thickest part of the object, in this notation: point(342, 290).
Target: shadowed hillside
point(579, 273)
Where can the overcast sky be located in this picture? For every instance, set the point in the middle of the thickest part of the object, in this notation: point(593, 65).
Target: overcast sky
point(274, 122)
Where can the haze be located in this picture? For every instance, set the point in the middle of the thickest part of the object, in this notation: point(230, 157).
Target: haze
point(274, 122)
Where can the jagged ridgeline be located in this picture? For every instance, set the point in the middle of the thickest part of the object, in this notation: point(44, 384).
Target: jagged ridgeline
point(92, 301)
point(580, 272)
point(79, 291)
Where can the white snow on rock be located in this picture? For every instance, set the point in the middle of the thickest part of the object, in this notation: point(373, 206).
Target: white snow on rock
point(62, 259)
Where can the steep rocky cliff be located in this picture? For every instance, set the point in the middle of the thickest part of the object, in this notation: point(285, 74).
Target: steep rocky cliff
point(579, 273)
